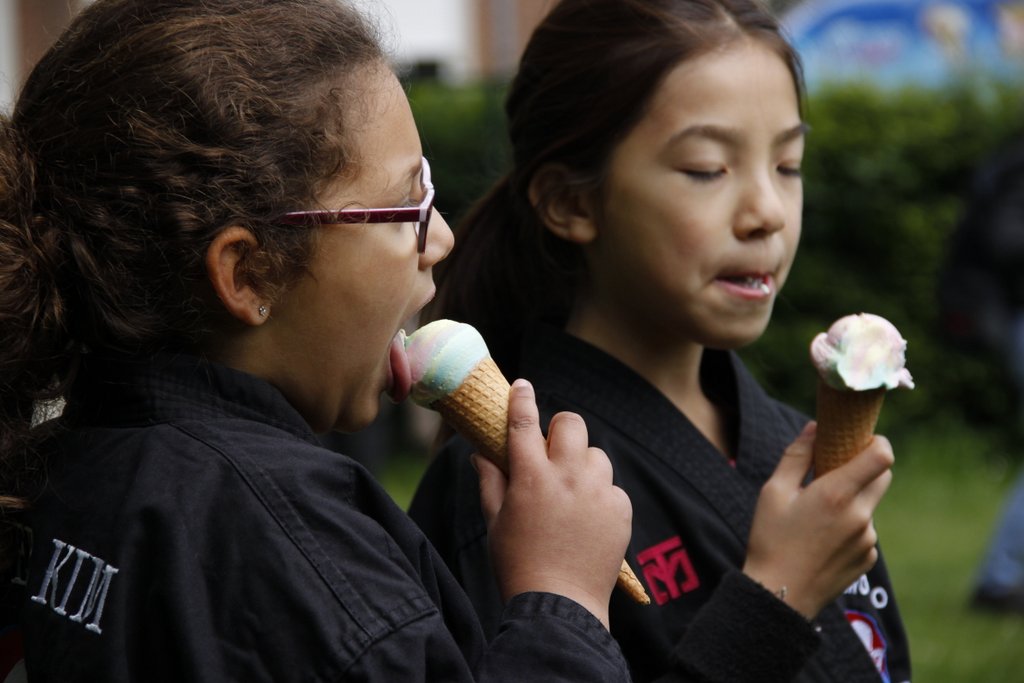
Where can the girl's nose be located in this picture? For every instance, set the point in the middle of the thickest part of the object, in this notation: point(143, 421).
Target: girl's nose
point(762, 210)
point(440, 240)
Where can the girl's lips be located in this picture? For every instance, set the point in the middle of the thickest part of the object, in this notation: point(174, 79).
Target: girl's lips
point(752, 286)
point(399, 382)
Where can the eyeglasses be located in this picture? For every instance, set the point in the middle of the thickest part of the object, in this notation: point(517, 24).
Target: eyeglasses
point(419, 215)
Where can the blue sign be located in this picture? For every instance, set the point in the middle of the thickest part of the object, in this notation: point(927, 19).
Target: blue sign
point(922, 42)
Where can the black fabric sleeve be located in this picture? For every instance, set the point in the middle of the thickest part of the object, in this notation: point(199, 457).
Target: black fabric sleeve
point(543, 637)
point(547, 637)
point(744, 634)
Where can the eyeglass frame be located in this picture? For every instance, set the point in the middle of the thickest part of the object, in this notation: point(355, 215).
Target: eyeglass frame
point(420, 215)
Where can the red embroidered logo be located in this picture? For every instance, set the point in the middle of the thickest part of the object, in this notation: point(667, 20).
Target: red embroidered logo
point(668, 570)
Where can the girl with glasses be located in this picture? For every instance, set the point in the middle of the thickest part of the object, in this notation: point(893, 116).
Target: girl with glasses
point(643, 233)
point(214, 217)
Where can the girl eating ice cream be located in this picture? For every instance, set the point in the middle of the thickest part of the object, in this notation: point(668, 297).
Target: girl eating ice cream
point(643, 233)
point(214, 217)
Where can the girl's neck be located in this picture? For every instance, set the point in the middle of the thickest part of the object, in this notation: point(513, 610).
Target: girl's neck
point(671, 366)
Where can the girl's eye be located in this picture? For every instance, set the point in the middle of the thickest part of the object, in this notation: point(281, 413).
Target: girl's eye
point(704, 176)
point(790, 171)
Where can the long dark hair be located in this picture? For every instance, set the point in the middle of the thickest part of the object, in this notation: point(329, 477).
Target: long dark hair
point(148, 127)
point(586, 77)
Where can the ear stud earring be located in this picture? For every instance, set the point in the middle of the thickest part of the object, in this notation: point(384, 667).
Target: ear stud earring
point(262, 310)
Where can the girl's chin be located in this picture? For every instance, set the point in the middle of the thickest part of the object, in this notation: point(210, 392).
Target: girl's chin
point(348, 424)
point(736, 336)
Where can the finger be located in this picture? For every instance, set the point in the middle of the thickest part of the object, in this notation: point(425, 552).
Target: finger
point(869, 464)
point(493, 485)
point(797, 458)
point(567, 437)
point(526, 443)
point(873, 493)
point(868, 543)
point(601, 464)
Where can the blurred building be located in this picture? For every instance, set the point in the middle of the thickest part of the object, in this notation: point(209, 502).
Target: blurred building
point(27, 28)
point(453, 40)
point(457, 40)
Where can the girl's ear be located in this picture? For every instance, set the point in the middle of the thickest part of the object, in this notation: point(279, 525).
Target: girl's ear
point(564, 209)
point(227, 268)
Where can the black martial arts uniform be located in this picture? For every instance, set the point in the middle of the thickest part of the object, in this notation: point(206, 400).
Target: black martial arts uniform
point(692, 511)
point(191, 529)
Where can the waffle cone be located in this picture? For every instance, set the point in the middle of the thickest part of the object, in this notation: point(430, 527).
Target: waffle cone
point(478, 410)
point(628, 582)
point(846, 423)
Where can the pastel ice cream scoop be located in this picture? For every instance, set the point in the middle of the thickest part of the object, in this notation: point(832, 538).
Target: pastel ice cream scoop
point(861, 352)
point(858, 360)
point(454, 374)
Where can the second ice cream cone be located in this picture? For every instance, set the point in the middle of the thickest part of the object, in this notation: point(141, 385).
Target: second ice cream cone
point(846, 423)
point(478, 409)
point(858, 360)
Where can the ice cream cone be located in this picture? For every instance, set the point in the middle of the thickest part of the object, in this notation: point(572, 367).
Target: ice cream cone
point(859, 359)
point(846, 423)
point(478, 409)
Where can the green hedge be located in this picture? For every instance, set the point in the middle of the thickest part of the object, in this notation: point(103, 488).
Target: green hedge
point(886, 174)
point(463, 133)
point(886, 178)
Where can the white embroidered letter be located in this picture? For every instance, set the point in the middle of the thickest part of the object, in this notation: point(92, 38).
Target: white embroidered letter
point(95, 596)
point(53, 572)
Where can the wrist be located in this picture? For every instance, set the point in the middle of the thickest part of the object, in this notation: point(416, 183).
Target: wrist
point(808, 610)
point(796, 599)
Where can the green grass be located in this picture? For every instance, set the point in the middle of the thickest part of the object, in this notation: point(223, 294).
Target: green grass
point(948, 489)
point(935, 523)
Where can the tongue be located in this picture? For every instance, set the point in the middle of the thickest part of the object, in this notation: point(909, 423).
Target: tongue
point(399, 375)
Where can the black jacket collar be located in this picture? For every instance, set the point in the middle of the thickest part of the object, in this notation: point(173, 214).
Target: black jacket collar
point(118, 390)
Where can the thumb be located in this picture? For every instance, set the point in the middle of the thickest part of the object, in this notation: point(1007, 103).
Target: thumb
point(493, 485)
point(797, 458)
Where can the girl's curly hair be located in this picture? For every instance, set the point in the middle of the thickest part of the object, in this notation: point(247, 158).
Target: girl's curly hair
point(146, 129)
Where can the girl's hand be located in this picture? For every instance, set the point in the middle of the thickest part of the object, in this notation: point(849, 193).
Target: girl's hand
point(817, 540)
point(557, 524)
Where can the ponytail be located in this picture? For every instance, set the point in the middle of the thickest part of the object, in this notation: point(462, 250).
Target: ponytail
point(35, 350)
point(505, 272)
